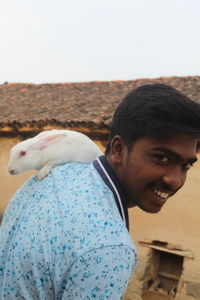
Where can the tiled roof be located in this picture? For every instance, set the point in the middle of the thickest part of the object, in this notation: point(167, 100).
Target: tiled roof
point(87, 104)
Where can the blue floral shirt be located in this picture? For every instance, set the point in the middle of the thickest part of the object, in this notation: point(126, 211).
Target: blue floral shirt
point(63, 237)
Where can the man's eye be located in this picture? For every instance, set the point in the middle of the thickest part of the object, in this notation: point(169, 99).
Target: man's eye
point(188, 166)
point(162, 158)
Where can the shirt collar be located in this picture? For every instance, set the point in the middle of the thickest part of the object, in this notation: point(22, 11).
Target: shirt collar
point(111, 180)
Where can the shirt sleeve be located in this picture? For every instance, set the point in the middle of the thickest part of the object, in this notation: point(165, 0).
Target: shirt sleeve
point(100, 274)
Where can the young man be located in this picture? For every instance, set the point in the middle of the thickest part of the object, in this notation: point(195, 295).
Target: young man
point(66, 237)
point(153, 143)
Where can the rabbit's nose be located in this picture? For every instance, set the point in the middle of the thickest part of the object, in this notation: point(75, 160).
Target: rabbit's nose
point(12, 172)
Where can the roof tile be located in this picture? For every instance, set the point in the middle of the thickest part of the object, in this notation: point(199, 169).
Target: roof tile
point(84, 104)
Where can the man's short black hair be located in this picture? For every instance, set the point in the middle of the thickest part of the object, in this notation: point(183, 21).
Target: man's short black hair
point(153, 110)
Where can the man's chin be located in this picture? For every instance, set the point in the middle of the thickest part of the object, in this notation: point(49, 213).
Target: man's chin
point(151, 209)
point(148, 206)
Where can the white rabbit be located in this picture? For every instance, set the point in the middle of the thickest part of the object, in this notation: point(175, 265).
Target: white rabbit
point(50, 148)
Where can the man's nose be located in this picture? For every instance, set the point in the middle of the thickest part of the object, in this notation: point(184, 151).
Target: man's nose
point(175, 178)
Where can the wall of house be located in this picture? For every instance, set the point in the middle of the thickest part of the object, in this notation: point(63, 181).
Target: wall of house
point(178, 223)
point(8, 183)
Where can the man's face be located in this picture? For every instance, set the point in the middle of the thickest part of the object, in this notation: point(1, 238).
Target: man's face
point(154, 169)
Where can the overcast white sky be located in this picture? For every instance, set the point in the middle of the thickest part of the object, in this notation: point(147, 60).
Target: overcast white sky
point(85, 40)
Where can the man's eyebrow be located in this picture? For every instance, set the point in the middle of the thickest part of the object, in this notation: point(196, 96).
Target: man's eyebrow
point(174, 154)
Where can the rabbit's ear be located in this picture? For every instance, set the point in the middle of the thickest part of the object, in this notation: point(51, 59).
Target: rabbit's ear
point(45, 141)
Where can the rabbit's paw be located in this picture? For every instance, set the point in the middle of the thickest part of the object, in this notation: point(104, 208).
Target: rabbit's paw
point(43, 172)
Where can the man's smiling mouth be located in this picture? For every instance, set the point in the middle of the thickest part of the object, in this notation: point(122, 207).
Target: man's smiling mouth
point(161, 194)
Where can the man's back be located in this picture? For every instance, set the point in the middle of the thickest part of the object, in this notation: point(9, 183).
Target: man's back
point(63, 238)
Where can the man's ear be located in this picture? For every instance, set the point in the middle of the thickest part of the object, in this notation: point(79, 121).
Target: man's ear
point(117, 147)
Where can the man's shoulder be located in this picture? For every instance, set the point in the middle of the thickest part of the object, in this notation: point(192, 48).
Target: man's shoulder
point(61, 179)
point(65, 183)
point(72, 171)
point(74, 175)
point(70, 168)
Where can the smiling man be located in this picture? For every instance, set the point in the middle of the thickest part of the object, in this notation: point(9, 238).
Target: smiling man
point(153, 143)
point(154, 170)
point(66, 237)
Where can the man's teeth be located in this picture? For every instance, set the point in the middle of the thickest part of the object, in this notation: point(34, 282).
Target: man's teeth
point(161, 194)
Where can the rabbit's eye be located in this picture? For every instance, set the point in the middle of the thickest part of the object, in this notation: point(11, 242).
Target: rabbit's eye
point(22, 153)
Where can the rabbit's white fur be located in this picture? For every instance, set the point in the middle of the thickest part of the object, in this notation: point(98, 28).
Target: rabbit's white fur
point(50, 148)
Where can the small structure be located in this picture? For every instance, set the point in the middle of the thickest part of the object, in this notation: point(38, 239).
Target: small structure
point(162, 272)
